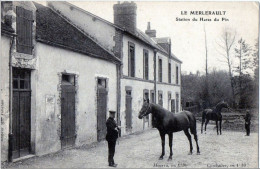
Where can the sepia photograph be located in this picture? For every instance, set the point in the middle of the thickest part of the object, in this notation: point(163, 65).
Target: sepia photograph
point(129, 84)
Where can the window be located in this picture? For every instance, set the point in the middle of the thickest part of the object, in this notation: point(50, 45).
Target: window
point(177, 75)
point(152, 100)
point(177, 102)
point(131, 60)
point(146, 65)
point(169, 73)
point(24, 22)
point(169, 100)
point(146, 98)
point(101, 82)
point(160, 70)
point(67, 79)
point(160, 98)
point(21, 79)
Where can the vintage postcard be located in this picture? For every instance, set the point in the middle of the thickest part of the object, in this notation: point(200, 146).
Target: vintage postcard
point(129, 84)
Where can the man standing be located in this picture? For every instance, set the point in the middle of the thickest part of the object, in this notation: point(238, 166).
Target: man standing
point(111, 137)
point(247, 122)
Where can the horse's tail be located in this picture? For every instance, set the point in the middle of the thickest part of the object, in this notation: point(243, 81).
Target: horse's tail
point(193, 129)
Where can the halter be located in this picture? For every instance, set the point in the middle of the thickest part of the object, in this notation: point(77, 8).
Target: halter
point(147, 110)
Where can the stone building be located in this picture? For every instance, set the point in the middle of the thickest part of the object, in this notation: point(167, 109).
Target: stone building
point(62, 82)
point(70, 67)
point(148, 70)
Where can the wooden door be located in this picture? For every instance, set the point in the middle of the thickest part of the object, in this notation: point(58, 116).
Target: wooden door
point(128, 110)
point(101, 112)
point(21, 113)
point(173, 105)
point(68, 134)
point(146, 118)
point(160, 99)
point(152, 101)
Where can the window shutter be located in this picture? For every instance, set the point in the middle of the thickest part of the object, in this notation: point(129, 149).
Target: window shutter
point(177, 75)
point(169, 73)
point(24, 21)
point(160, 70)
point(146, 65)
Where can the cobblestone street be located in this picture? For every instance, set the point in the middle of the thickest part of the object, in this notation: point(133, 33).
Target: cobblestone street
point(231, 149)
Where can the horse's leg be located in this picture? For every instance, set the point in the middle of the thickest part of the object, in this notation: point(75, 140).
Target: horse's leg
point(217, 126)
point(196, 139)
point(202, 126)
point(170, 145)
point(189, 138)
point(207, 121)
point(220, 123)
point(162, 134)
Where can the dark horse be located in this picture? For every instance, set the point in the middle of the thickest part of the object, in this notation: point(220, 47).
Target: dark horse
point(167, 123)
point(215, 114)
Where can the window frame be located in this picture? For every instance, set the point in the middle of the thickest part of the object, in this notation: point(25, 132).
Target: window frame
point(145, 64)
point(160, 74)
point(169, 72)
point(131, 63)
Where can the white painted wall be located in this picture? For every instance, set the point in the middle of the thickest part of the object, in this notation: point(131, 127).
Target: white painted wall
point(51, 61)
point(168, 88)
point(97, 29)
point(137, 102)
point(165, 62)
point(139, 47)
point(4, 83)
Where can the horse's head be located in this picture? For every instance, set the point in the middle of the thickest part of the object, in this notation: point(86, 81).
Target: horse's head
point(145, 110)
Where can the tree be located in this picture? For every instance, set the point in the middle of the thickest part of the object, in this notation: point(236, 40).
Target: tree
point(242, 53)
point(255, 63)
point(206, 89)
point(226, 43)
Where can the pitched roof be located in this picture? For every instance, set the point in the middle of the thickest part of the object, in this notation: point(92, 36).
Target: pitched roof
point(139, 34)
point(53, 29)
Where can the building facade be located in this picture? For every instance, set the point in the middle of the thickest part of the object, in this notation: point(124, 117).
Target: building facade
point(63, 83)
point(67, 73)
point(148, 70)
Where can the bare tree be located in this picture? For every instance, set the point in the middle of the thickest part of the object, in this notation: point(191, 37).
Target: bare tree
point(242, 52)
point(206, 67)
point(226, 43)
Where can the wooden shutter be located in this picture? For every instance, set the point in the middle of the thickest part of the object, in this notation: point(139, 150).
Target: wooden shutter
point(160, 70)
point(24, 21)
point(177, 75)
point(131, 60)
point(169, 73)
point(146, 65)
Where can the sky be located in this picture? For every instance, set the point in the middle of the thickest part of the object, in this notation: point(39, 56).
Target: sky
point(188, 37)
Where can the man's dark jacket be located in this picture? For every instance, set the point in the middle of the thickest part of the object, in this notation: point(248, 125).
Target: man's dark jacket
point(248, 118)
point(112, 133)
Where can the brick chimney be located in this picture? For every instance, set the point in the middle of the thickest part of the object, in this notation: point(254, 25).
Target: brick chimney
point(149, 32)
point(125, 16)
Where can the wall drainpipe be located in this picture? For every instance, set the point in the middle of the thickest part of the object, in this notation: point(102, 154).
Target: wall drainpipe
point(10, 135)
point(154, 64)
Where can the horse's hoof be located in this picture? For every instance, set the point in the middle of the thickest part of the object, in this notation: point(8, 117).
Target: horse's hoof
point(160, 158)
point(190, 153)
point(198, 153)
point(170, 158)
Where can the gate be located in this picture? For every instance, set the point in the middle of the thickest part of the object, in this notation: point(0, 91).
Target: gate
point(21, 117)
point(68, 134)
point(101, 112)
point(128, 110)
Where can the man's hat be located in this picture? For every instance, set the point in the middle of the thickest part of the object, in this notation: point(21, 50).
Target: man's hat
point(112, 112)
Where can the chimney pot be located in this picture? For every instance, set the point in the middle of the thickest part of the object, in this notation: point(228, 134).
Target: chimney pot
point(149, 32)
